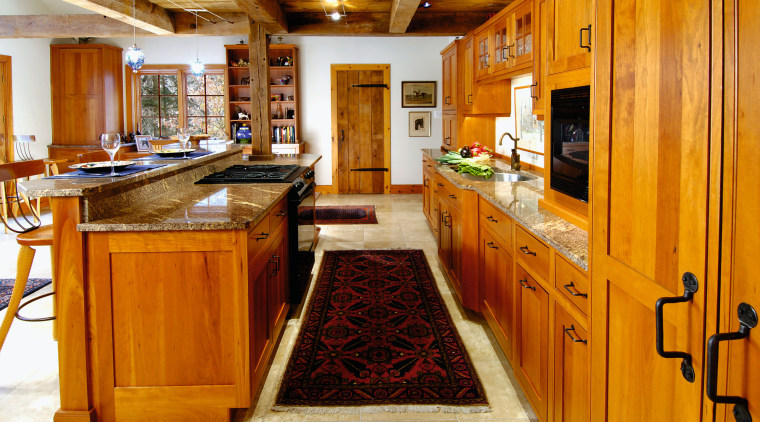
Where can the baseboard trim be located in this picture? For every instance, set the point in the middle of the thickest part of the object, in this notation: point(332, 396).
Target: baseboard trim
point(395, 189)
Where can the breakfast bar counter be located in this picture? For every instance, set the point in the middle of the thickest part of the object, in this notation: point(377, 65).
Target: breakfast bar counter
point(170, 296)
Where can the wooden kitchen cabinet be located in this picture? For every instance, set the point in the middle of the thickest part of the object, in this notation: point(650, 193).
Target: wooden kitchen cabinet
point(572, 399)
point(467, 81)
point(504, 45)
point(498, 289)
point(501, 41)
point(449, 88)
point(568, 36)
point(482, 52)
point(450, 131)
point(532, 350)
point(539, 57)
point(522, 30)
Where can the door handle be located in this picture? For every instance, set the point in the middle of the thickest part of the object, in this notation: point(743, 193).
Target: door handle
point(509, 50)
point(690, 286)
point(575, 340)
point(533, 85)
point(525, 285)
point(491, 245)
point(491, 219)
point(572, 293)
point(588, 46)
point(526, 250)
point(747, 321)
point(342, 135)
point(469, 99)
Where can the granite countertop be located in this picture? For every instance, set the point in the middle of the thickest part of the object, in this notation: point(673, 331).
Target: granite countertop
point(197, 207)
point(519, 200)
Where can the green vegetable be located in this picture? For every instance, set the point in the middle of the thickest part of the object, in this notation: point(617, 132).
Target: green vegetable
point(450, 158)
point(469, 166)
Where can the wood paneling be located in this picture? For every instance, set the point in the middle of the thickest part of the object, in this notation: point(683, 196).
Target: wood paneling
point(650, 193)
point(140, 13)
point(571, 369)
point(267, 13)
point(259, 71)
point(6, 110)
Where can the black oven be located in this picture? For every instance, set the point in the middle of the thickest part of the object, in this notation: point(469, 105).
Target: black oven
point(569, 139)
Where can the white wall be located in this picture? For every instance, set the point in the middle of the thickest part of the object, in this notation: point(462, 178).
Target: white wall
point(411, 59)
point(507, 124)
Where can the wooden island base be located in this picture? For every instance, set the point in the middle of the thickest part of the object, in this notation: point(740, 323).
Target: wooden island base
point(183, 323)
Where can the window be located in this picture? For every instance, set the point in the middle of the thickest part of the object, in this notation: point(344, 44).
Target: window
point(165, 97)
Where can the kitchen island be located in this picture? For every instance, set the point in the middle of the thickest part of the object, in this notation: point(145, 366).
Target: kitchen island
point(170, 296)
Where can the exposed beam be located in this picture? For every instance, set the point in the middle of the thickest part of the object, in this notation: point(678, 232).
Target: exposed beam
point(402, 12)
point(63, 26)
point(267, 13)
point(258, 59)
point(374, 24)
point(148, 16)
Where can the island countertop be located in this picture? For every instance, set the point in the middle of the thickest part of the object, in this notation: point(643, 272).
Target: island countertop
point(519, 200)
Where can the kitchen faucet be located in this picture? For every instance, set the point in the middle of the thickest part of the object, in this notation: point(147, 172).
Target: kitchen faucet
point(515, 159)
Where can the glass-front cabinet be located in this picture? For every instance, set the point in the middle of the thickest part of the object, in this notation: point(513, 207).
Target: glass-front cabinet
point(483, 52)
point(521, 51)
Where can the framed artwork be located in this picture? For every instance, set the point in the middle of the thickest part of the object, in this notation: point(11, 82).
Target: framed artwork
point(419, 123)
point(529, 129)
point(143, 143)
point(418, 94)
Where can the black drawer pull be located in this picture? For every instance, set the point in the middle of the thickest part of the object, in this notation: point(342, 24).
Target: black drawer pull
point(525, 285)
point(491, 245)
point(690, 286)
point(491, 219)
point(568, 286)
point(527, 251)
point(261, 236)
point(469, 99)
point(588, 46)
point(440, 184)
point(276, 261)
point(747, 321)
point(575, 340)
point(453, 196)
point(534, 85)
point(282, 213)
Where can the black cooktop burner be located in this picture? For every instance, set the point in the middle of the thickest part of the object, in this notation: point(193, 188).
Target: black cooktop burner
point(257, 173)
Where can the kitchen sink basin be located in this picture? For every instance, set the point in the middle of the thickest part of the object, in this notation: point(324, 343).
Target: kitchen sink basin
point(499, 177)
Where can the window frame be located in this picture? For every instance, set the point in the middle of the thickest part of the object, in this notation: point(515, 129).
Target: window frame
point(181, 70)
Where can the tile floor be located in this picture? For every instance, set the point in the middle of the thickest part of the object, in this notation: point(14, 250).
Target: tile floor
point(30, 392)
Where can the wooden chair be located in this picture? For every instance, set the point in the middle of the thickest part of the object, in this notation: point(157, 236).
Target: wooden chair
point(30, 234)
point(89, 157)
point(159, 144)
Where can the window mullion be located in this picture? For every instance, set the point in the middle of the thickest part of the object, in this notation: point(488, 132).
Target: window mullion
point(182, 98)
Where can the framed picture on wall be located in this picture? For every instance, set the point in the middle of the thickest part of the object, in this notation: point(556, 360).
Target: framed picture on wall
point(143, 143)
point(419, 123)
point(418, 94)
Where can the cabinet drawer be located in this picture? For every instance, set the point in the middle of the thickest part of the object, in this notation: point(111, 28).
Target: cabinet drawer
point(278, 214)
point(428, 163)
point(257, 237)
point(452, 193)
point(497, 222)
point(533, 253)
point(572, 283)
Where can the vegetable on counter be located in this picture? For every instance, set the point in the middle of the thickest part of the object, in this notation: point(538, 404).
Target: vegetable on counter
point(450, 158)
point(474, 168)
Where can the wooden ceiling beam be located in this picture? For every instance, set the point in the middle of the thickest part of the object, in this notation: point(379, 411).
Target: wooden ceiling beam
point(402, 12)
point(64, 26)
point(375, 24)
point(267, 13)
point(148, 16)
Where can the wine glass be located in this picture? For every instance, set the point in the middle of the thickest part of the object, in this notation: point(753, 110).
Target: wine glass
point(111, 143)
point(183, 134)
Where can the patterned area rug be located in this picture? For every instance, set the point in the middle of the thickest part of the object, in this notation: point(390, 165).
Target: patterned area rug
point(32, 285)
point(377, 335)
point(338, 214)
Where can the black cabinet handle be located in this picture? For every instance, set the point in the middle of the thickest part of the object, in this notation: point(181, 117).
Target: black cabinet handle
point(491, 219)
point(575, 340)
point(568, 286)
point(425, 183)
point(527, 251)
point(274, 270)
point(469, 99)
point(588, 46)
point(533, 85)
point(282, 213)
point(491, 245)
point(443, 217)
point(525, 285)
point(453, 196)
point(690, 285)
point(504, 56)
point(509, 49)
point(440, 184)
point(747, 321)
point(262, 236)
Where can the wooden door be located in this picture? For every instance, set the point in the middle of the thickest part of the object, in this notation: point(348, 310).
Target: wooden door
point(4, 101)
point(468, 76)
point(650, 195)
point(455, 221)
point(482, 53)
point(523, 38)
point(361, 129)
point(503, 40)
point(445, 233)
point(77, 84)
point(532, 340)
point(741, 238)
point(450, 130)
point(449, 61)
point(539, 57)
point(426, 182)
point(566, 20)
point(571, 369)
point(498, 288)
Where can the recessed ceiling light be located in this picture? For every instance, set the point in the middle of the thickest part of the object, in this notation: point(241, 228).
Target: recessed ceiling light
point(426, 4)
point(335, 16)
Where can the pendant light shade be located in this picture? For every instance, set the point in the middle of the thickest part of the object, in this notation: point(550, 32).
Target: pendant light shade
point(135, 57)
point(197, 67)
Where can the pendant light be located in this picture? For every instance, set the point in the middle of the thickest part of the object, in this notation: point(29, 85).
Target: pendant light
point(197, 67)
point(135, 57)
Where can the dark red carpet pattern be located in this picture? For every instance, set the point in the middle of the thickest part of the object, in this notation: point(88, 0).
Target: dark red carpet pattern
point(340, 214)
point(32, 285)
point(378, 333)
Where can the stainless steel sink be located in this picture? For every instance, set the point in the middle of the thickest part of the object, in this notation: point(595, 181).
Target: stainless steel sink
point(499, 177)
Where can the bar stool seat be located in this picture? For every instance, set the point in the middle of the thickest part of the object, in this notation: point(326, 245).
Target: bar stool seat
point(43, 236)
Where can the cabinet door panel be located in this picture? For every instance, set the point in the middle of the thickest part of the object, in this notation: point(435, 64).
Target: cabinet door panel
point(498, 288)
point(565, 20)
point(450, 130)
point(651, 149)
point(533, 326)
point(468, 77)
point(571, 369)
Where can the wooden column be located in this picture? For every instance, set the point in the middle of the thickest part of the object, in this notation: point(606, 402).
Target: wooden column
point(260, 110)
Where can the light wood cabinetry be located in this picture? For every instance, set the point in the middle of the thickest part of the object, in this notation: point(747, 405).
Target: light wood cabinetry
point(467, 64)
point(568, 41)
point(571, 400)
point(87, 94)
point(449, 88)
point(538, 87)
point(504, 45)
point(532, 357)
point(450, 131)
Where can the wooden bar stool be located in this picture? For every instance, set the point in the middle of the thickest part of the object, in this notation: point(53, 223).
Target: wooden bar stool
point(30, 234)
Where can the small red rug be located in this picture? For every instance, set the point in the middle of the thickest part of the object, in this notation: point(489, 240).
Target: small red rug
point(32, 285)
point(377, 333)
point(339, 214)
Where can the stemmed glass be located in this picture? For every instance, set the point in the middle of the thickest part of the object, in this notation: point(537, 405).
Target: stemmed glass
point(111, 143)
point(183, 134)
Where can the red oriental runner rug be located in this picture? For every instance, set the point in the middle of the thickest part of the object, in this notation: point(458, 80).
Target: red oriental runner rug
point(378, 334)
point(339, 214)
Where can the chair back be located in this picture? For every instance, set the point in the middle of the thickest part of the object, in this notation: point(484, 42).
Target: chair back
point(159, 144)
point(89, 157)
point(21, 144)
point(18, 213)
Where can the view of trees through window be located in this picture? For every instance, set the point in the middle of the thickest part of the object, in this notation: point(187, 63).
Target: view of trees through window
point(160, 98)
